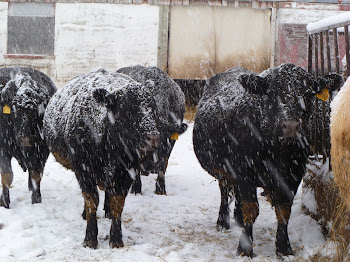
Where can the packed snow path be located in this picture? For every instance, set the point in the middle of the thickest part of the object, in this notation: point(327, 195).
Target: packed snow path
point(178, 227)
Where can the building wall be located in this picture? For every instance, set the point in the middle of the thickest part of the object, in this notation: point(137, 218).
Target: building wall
point(3, 30)
point(207, 40)
point(94, 35)
point(291, 38)
point(203, 40)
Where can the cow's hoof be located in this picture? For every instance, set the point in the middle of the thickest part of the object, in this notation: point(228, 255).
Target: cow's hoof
point(5, 199)
point(244, 252)
point(223, 222)
point(160, 192)
point(84, 214)
point(116, 244)
point(108, 214)
point(36, 197)
point(160, 187)
point(238, 219)
point(135, 189)
point(285, 252)
point(91, 243)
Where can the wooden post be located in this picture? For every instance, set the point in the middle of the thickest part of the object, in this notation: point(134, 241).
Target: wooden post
point(163, 38)
point(316, 55)
point(322, 53)
point(336, 50)
point(309, 57)
point(328, 48)
point(346, 32)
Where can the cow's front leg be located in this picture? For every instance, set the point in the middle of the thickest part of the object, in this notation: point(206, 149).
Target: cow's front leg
point(250, 211)
point(6, 181)
point(164, 154)
point(91, 200)
point(136, 187)
point(283, 247)
point(224, 212)
point(238, 210)
point(116, 205)
point(160, 184)
point(34, 181)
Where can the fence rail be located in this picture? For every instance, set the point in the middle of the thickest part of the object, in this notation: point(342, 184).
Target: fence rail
point(319, 44)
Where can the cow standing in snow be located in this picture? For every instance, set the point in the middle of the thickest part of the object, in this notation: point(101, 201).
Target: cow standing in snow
point(101, 125)
point(170, 101)
point(24, 94)
point(248, 133)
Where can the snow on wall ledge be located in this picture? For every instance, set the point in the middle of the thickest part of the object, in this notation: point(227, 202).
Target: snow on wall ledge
point(328, 22)
point(112, 36)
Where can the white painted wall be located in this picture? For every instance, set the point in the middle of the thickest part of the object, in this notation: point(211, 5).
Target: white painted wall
point(106, 35)
point(88, 36)
point(3, 30)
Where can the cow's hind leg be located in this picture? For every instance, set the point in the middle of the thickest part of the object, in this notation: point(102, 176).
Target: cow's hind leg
point(224, 212)
point(6, 181)
point(238, 210)
point(34, 181)
point(163, 154)
point(250, 211)
point(106, 205)
point(283, 247)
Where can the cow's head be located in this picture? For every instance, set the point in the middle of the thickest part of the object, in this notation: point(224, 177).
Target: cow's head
point(24, 100)
point(289, 93)
point(132, 116)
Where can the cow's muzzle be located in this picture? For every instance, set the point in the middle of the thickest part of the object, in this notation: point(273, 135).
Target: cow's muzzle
point(152, 141)
point(291, 128)
point(26, 141)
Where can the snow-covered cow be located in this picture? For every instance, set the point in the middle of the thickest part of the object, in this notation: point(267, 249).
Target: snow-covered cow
point(170, 101)
point(24, 94)
point(248, 133)
point(101, 125)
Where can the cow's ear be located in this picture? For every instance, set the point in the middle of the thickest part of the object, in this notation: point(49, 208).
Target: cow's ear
point(102, 96)
point(327, 84)
point(253, 83)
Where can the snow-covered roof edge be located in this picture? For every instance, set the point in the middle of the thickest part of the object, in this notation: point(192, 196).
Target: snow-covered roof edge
point(329, 23)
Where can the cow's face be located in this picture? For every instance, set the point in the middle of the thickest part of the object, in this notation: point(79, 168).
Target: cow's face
point(132, 117)
point(27, 101)
point(289, 92)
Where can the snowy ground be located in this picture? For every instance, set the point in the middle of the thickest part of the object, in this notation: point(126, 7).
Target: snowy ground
point(176, 227)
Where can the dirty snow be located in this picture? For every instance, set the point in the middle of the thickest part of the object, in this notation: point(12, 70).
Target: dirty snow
point(176, 227)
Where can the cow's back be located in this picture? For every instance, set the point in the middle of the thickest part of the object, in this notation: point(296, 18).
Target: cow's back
point(167, 94)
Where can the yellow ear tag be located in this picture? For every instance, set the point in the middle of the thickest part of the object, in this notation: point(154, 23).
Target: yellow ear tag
point(6, 109)
point(323, 95)
point(175, 136)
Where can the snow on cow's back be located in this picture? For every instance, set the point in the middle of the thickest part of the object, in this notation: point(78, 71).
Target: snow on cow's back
point(224, 92)
point(167, 93)
point(75, 102)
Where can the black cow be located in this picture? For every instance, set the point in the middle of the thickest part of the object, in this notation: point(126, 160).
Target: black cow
point(170, 101)
point(100, 125)
point(248, 133)
point(25, 92)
